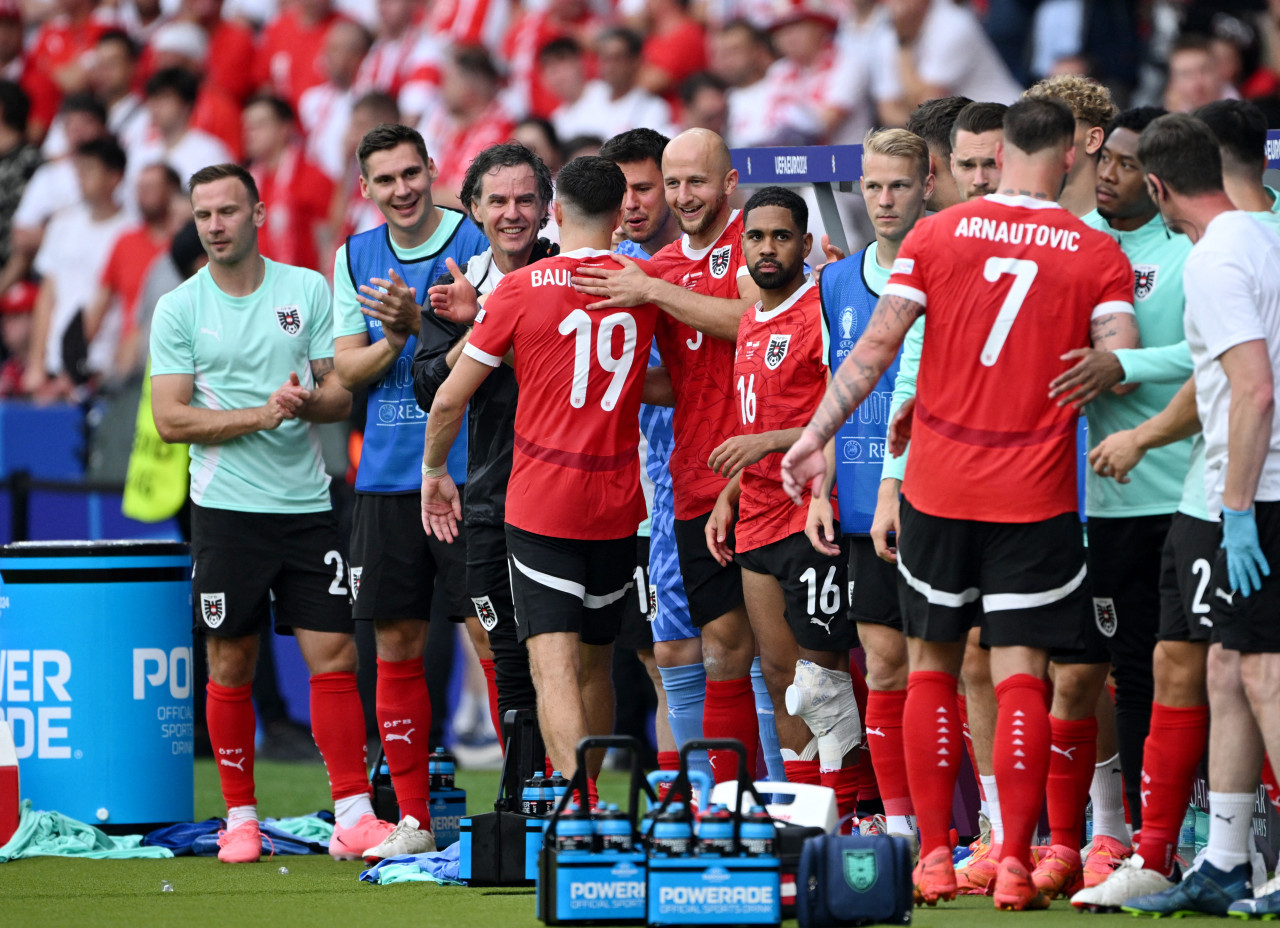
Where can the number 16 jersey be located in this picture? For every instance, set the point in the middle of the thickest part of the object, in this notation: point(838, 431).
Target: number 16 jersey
point(1009, 284)
point(575, 472)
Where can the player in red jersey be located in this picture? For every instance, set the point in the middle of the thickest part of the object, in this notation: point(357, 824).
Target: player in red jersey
point(574, 498)
point(990, 533)
point(701, 283)
point(794, 569)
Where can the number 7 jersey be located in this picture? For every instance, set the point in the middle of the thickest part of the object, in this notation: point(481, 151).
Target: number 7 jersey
point(576, 468)
point(1009, 284)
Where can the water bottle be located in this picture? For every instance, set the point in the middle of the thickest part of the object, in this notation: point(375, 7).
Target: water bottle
point(1187, 836)
point(715, 831)
point(558, 785)
point(440, 768)
point(531, 796)
point(672, 833)
point(575, 831)
point(759, 838)
point(613, 829)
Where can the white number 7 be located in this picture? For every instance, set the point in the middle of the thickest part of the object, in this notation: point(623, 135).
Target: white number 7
point(1024, 273)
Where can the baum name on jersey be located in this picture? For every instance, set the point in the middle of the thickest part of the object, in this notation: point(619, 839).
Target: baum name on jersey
point(551, 277)
point(1017, 233)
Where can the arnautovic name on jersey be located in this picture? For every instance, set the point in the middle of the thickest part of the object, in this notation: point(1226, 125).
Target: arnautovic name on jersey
point(1017, 233)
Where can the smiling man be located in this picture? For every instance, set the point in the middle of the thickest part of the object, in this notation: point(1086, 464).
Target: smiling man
point(378, 276)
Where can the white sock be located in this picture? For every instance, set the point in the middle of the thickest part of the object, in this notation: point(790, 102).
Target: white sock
point(1230, 835)
point(1107, 794)
point(350, 809)
point(993, 808)
point(238, 815)
point(900, 824)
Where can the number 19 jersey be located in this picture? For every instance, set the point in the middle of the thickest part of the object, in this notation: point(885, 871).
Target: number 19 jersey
point(576, 467)
point(1009, 284)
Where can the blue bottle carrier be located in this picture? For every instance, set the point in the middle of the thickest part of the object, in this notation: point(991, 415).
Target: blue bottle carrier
point(726, 872)
point(590, 878)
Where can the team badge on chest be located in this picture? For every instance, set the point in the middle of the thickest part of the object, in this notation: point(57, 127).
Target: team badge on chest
point(290, 319)
point(1144, 280)
point(776, 351)
point(720, 261)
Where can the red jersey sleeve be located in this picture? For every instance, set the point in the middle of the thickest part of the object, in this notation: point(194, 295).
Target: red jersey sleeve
point(495, 326)
point(907, 276)
point(1115, 277)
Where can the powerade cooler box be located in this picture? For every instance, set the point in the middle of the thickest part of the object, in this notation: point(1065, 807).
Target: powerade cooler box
point(739, 885)
point(448, 805)
point(579, 881)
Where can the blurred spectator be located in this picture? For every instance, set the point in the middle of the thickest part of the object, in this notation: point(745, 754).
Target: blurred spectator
point(614, 103)
point(171, 98)
point(11, 36)
point(867, 36)
point(526, 93)
point(113, 79)
point(325, 109)
point(578, 146)
point(120, 285)
point(70, 263)
point(471, 22)
point(541, 138)
point(704, 103)
point(469, 121)
point(53, 187)
point(16, 305)
point(350, 211)
point(139, 18)
point(676, 47)
point(288, 60)
point(1194, 78)
point(297, 193)
point(932, 121)
point(185, 46)
point(740, 56)
point(404, 60)
point(18, 159)
point(184, 256)
point(58, 60)
point(562, 68)
point(231, 70)
point(943, 51)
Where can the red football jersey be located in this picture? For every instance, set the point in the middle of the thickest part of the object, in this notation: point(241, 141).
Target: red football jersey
point(576, 468)
point(1009, 284)
point(779, 375)
point(701, 366)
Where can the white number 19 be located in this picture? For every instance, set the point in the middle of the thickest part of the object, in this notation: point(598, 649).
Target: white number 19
point(578, 323)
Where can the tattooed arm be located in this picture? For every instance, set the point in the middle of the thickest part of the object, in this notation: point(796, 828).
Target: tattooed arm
point(850, 385)
point(328, 400)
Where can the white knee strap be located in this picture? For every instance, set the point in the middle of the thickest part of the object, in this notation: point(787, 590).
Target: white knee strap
point(824, 700)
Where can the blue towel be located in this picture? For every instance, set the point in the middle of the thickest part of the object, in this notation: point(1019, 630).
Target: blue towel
point(436, 867)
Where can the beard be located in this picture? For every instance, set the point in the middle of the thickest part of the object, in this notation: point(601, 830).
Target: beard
point(709, 216)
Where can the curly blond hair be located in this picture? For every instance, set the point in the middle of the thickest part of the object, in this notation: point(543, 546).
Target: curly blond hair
point(1089, 100)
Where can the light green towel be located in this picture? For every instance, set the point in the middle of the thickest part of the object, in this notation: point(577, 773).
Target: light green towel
point(306, 827)
point(51, 834)
point(410, 873)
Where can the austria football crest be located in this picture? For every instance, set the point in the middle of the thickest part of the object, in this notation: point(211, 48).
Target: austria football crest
point(485, 612)
point(1104, 612)
point(1144, 280)
point(289, 318)
point(356, 574)
point(213, 608)
point(776, 351)
point(720, 261)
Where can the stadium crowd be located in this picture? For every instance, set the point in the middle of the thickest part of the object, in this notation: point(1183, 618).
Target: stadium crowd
point(478, 215)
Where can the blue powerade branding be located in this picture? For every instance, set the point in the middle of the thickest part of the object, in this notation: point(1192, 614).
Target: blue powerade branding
point(611, 889)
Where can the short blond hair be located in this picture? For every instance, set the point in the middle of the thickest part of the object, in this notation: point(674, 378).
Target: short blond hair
point(1090, 101)
point(898, 143)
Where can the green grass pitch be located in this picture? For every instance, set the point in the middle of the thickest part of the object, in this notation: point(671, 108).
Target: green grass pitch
point(51, 892)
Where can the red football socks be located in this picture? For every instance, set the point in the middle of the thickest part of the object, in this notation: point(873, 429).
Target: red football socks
point(232, 726)
point(884, 743)
point(1170, 755)
point(803, 771)
point(845, 783)
point(403, 708)
point(1073, 753)
point(932, 754)
point(491, 681)
point(668, 760)
point(1021, 760)
point(1269, 782)
point(730, 712)
point(337, 723)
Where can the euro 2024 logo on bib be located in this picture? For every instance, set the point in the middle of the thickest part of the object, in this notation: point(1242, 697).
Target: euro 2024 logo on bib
point(290, 319)
point(719, 262)
point(777, 351)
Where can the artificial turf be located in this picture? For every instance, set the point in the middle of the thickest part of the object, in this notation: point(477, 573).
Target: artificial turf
point(50, 892)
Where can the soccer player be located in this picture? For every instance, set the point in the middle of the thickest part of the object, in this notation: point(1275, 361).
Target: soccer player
point(265, 539)
point(896, 186)
point(701, 283)
point(509, 191)
point(1093, 108)
point(794, 570)
point(1010, 560)
point(574, 498)
point(1241, 130)
point(395, 565)
point(1233, 330)
point(932, 121)
point(978, 129)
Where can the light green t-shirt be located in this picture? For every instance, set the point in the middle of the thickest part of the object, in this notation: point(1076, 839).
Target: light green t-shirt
point(1157, 256)
point(347, 318)
point(908, 367)
point(1270, 217)
point(240, 350)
